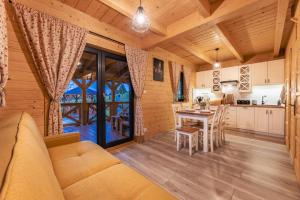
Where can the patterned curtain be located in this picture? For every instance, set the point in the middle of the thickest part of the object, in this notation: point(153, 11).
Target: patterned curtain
point(175, 70)
point(3, 53)
point(187, 79)
point(137, 60)
point(55, 47)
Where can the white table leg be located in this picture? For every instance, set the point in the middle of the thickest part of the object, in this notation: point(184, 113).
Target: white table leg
point(179, 121)
point(197, 142)
point(178, 141)
point(190, 145)
point(205, 135)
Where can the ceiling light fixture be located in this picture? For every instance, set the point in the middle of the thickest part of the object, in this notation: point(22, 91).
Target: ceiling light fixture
point(217, 64)
point(140, 21)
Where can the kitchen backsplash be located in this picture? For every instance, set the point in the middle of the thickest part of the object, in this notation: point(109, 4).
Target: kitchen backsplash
point(272, 93)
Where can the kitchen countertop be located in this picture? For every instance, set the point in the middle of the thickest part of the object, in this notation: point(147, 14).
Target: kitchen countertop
point(260, 106)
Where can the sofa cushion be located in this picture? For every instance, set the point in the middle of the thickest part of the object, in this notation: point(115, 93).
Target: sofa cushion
point(8, 133)
point(77, 161)
point(30, 174)
point(116, 182)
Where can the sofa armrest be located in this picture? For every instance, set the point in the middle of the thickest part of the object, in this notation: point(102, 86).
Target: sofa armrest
point(57, 140)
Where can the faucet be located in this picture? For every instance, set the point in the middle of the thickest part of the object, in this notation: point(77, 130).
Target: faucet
point(262, 100)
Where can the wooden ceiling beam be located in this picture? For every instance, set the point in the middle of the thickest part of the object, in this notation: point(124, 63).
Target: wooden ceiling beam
point(204, 8)
point(191, 48)
point(221, 31)
point(282, 8)
point(228, 41)
point(127, 10)
point(227, 10)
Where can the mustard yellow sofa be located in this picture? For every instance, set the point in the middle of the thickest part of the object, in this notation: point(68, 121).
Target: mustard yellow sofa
point(62, 167)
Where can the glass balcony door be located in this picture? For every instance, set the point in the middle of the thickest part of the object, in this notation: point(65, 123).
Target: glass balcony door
point(117, 100)
point(98, 102)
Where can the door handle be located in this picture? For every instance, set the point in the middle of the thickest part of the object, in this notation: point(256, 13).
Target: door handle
point(267, 112)
point(271, 112)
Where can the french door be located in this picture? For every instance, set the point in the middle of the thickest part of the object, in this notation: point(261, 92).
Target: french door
point(99, 99)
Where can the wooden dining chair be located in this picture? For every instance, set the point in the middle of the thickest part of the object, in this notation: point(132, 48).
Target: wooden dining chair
point(175, 108)
point(223, 125)
point(213, 128)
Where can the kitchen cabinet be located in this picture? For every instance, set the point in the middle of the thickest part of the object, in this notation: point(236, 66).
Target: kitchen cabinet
point(271, 72)
point(245, 78)
point(230, 117)
point(245, 117)
point(259, 73)
point(262, 120)
point(276, 122)
point(276, 72)
point(204, 79)
point(229, 74)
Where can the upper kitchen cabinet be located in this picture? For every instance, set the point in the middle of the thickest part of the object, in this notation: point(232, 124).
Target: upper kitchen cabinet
point(216, 85)
point(276, 72)
point(244, 78)
point(271, 72)
point(204, 79)
point(229, 74)
point(259, 73)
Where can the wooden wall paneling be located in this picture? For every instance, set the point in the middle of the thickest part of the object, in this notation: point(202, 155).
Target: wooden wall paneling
point(292, 72)
point(158, 96)
point(23, 91)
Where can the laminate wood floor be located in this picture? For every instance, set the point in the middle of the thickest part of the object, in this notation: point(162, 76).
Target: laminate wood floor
point(244, 168)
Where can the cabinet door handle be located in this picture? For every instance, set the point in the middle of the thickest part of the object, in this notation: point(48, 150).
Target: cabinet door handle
point(265, 81)
point(271, 112)
point(267, 112)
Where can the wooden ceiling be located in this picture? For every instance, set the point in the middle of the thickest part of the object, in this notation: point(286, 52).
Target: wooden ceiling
point(192, 29)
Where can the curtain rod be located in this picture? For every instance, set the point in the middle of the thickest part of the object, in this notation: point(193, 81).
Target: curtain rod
point(105, 37)
point(98, 35)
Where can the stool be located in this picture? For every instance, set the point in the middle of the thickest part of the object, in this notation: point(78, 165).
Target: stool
point(191, 133)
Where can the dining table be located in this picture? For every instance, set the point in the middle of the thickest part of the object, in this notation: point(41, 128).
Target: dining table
point(199, 115)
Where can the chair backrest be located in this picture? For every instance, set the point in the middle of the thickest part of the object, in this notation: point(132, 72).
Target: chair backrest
point(217, 118)
point(175, 107)
point(224, 113)
point(185, 106)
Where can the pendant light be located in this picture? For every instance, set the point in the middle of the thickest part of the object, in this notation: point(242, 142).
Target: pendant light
point(217, 64)
point(140, 21)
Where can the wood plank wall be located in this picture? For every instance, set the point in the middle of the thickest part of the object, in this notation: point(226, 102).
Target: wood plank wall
point(158, 97)
point(292, 80)
point(24, 93)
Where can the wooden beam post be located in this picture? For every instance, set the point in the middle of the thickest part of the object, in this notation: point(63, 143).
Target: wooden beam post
point(282, 8)
point(228, 41)
point(204, 8)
